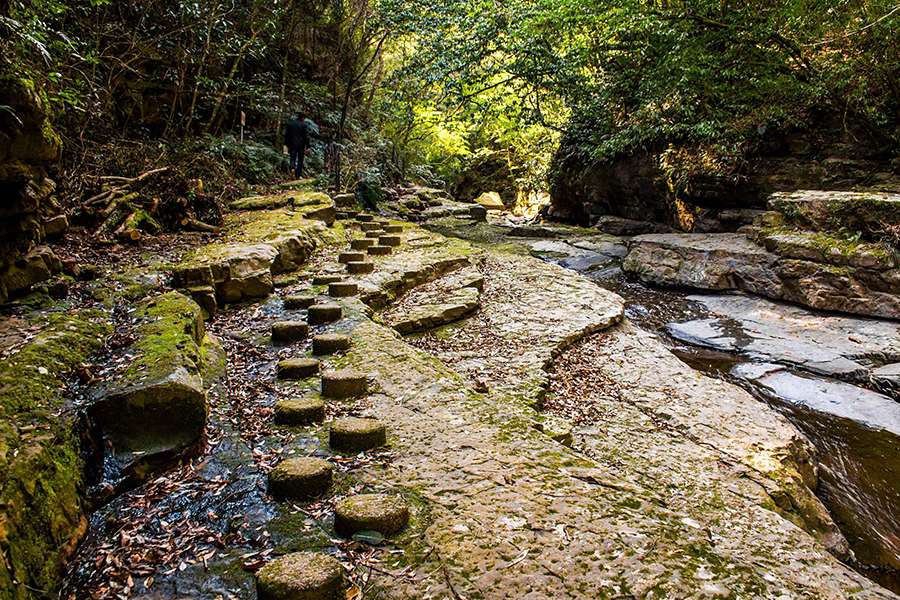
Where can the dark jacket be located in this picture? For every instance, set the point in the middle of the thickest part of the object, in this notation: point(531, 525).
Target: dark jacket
point(296, 134)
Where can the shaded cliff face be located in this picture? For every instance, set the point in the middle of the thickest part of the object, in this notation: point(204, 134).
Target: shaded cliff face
point(689, 187)
point(28, 145)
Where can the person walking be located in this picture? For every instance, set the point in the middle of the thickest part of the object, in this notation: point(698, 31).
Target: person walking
point(296, 138)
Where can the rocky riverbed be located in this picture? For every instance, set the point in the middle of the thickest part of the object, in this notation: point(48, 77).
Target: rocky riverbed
point(537, 436)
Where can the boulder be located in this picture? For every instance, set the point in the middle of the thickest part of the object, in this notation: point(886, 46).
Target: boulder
point(169, 368)
point(491, 201)
point(37, 266)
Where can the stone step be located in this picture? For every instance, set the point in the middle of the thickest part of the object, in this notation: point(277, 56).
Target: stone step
point(319, 314)
point(390, 240)
point(300, 478)
point(379, 250)
point(297, 368)
point(306, 575)
point(353, 434)
point(374, 234)
point(343, 289)
point(393, 228)
point(362, 243)
point(345, 257)
point(367, 227)
point(298, 302)
point(326, 279)
point(365, 218)
point(386, 514)
point(360, 267)
point(286, 332)
point(299, 411)
point(344, 384)
point(330, 343)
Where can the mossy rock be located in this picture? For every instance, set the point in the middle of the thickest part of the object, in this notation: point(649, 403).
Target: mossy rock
point(301, 576)
point(353, 434)
point(344, 384)
point(330, 343)
point(299, 411)
point(300, 478)
point(386, 514)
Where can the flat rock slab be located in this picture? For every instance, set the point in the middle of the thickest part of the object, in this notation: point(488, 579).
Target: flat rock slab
point(867, 212)
point(361, 267)
point(458, 304)
point(330, 343)
point(300, 478)
point(352, 434)
point(383, 513)
point(299, 411)
point(838, 346)
point(836, 398)
point(730, 261)
point(286, 332)
point(298, 368)
point(581, 256)
point(301, 576)
point(298, 302)
point(344, 384)
point(343, 289)
point(319, 314)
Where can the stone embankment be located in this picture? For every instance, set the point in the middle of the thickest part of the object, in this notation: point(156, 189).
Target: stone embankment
point(826, 250)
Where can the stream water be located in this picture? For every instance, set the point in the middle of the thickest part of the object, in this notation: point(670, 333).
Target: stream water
point(858, 445)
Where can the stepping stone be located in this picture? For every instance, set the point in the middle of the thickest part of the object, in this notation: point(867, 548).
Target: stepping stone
point(297, 368)
point(298, 302)
point(330, 343)
point(345, 257)
point(344, 384)
point(285, 332)
point(393, 228)
point(371, 512)
point(389, 240)
point(353, 213)
point(300, 411)
point(362, 243)
point(364, 218)
point(374, 234)
point(341, 216)
point(379, 250)
point(319, 314)
point(352, 434)
point(367, 227)
point(342, 289)
point(360, 268)
point(303, 576)
point(300, 478)
point(325, 279)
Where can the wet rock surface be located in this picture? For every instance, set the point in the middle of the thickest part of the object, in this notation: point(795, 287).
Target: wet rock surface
point(837, 346)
